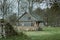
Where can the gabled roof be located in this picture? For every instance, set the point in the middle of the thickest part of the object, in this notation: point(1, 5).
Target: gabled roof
point(34, 16)
point(25, 17)
point(37, 14)
point(37, 17)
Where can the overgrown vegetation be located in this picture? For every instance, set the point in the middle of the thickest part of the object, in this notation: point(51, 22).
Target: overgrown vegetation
point(48, 33)
point(53, 15)
point(21, 36)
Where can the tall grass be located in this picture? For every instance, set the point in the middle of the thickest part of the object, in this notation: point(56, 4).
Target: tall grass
point(21, 36)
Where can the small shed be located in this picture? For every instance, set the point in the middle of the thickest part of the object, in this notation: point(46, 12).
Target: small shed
point(27, 19)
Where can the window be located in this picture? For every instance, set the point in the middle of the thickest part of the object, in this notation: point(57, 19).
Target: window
point(29, 18)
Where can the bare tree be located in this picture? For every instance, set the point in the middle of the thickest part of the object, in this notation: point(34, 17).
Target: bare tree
point(5, 24)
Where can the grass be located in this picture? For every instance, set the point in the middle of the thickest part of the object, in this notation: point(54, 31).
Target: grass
point(16, 38)
point(48, 33)
point(21, 36)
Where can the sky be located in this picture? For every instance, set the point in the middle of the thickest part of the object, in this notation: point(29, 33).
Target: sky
point(42, 5)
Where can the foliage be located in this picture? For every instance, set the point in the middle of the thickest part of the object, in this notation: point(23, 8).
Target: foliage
point(12, 19)
point(21, 36)
point(9, 30)
point(40, 29)
point(49, 33)
point(53, 15)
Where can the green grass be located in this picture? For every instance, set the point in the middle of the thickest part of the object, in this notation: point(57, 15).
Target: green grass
point(21, 36)
point(48, 33)
point(52, 29)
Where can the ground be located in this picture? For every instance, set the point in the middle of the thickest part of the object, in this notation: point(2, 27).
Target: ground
point(48, 33)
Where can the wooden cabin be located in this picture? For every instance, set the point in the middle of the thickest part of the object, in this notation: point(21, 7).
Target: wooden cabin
point(29, 21)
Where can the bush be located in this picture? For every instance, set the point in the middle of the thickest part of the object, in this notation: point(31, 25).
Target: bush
point(10, 30)
point(39, 29)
